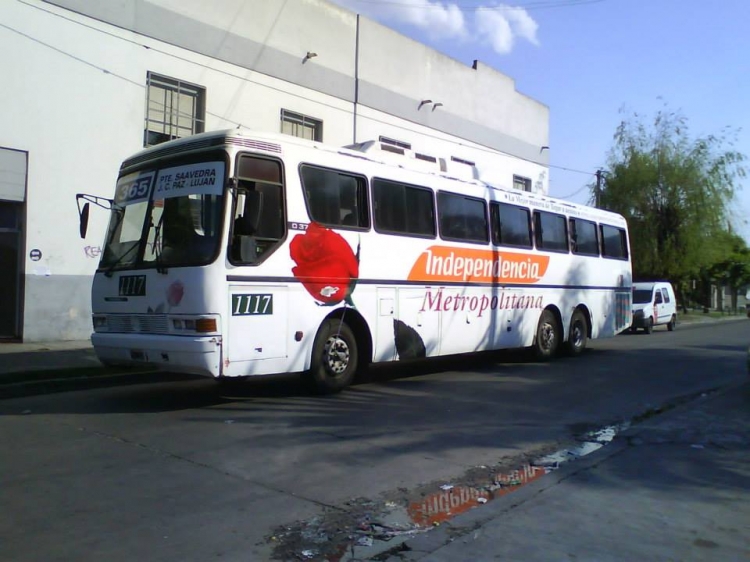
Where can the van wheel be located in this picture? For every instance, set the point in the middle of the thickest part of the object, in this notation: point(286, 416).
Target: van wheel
point(649, 326)
point(672, 323)
point(547, 337)
point(578, 334)
point(334, 358)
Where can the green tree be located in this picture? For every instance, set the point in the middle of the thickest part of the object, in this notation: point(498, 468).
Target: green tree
point(733, 270)
point(675, 191)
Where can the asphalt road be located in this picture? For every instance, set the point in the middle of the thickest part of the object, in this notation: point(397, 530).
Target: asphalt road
point(189, 471)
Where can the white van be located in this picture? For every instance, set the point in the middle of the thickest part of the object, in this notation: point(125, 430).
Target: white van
point(653, 304)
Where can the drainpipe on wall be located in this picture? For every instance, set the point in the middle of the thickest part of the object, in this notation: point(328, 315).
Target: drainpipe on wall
point(356, 81)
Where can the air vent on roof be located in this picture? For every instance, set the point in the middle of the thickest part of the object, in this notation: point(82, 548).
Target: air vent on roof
point(256, 144)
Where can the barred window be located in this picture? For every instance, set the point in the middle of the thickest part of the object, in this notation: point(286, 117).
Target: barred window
point(524, 184)
point(174, 109)
point(299, 125)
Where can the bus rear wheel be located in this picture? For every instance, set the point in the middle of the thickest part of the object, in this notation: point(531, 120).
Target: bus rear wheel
point(576, 343)
point(334, 358)
point(547, 338)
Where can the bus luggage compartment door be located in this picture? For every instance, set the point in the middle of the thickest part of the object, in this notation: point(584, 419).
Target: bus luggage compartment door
point(257, 323)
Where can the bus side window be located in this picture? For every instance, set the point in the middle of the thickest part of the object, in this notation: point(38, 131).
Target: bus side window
point(335, 198)
point(258, 224)
point(511, 225)
point(551, 231)
point(614, 242)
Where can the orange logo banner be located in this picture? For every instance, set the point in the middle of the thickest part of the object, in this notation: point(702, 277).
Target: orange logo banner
point(443, 263)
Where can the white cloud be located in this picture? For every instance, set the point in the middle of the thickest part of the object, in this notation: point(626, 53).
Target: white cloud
point(440, 20)
point(500, 28)
point(498, 25)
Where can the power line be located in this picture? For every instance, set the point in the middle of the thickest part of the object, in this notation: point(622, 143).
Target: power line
point(576, 192)
point(492, 152)
point(539, 5)
point(572, 170)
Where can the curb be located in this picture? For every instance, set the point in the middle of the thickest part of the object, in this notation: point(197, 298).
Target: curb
point(54, 384)
point(464, 524)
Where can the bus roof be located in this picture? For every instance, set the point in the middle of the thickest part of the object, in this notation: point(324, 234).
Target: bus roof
point(372, 151)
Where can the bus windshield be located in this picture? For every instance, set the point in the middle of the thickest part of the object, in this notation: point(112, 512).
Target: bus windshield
point(165, 218)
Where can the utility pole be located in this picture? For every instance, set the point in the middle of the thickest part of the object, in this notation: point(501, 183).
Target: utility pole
point(598, 190)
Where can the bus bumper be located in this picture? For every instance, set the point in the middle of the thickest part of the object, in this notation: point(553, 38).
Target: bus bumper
point(178, 354)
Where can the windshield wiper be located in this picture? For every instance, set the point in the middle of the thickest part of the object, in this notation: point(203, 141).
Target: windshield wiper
point(157, 244)
point(118, 261)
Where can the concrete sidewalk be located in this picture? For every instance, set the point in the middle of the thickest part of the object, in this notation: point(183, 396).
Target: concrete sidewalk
point(47, 356)
point(40, 368)
point(676, 487)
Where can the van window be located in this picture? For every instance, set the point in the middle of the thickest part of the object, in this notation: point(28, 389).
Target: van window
point(641, 296)
point(666, 295)
point(657, 298)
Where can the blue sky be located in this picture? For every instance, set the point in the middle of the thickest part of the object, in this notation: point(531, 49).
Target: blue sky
point(589, 59)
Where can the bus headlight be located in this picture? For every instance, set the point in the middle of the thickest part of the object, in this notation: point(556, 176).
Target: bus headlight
point(100, 322)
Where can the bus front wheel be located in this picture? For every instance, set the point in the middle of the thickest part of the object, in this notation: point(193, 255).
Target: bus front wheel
point(547, 337)
point(334, 358)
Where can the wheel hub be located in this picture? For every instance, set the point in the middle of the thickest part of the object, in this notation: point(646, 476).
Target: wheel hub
point(336, 355)
point(548, 336)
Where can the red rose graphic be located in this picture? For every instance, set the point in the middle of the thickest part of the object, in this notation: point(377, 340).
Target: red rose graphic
point(326, 265)
point(175, 292)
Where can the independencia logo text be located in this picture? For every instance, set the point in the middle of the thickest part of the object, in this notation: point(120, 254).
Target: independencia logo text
point(442, 263)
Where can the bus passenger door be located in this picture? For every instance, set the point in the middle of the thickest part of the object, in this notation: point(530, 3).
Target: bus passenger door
point(257, 326)
point(416, 328)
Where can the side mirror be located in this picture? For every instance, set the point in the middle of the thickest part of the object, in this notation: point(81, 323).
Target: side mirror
point(84, 220)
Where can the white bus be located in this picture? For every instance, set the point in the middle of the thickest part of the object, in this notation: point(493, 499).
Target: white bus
point(234, 254)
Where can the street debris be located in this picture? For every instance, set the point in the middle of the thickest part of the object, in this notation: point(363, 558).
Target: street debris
point(380, 526)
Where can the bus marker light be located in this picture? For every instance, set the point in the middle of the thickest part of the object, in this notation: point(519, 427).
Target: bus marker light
point(205, 325)
point(297, 336)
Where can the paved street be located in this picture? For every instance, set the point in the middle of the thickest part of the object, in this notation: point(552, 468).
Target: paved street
point(188, 471)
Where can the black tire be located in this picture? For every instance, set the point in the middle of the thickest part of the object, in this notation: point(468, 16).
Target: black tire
point(649, 326)
point(547, 338)
point(228, 384)
point(578, 334)
point(672, 323)
point(334, 358)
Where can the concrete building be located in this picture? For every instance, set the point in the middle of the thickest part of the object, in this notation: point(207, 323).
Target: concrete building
point(87, 83)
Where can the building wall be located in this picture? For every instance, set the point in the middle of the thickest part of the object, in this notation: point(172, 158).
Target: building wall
point(76, 105)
